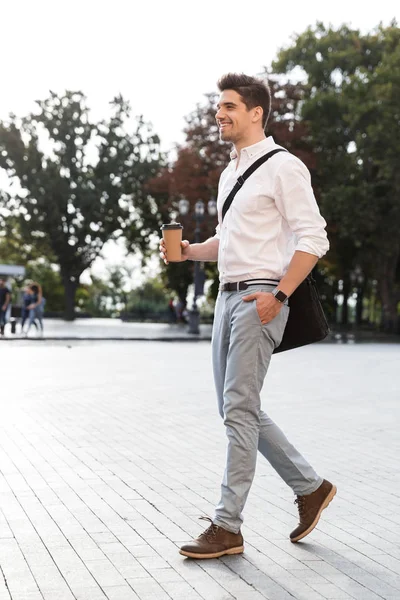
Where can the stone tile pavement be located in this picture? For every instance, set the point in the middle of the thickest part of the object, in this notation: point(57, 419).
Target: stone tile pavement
point(108, 329)
point(109, 453)
point(116, 330)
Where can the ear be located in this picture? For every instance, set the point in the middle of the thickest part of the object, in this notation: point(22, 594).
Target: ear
point(257, 114)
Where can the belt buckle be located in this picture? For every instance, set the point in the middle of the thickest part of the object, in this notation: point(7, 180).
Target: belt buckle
point(233, 286)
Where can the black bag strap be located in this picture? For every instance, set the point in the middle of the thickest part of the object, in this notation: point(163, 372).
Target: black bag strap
point(242, 178)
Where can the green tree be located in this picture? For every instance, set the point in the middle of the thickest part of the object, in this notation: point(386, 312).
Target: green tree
point(95, 298)
point(80, 183)
point(351, 111)
point(151, 297)
point(14, 249)
point(119, 279)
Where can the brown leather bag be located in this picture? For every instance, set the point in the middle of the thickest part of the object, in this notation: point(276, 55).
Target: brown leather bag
point(307, 322)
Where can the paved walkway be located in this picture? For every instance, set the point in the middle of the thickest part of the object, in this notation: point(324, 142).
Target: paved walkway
point(115, 329)
point(111, 329)
point(109, 453)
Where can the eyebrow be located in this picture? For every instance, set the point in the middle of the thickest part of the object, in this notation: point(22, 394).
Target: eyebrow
point(226, 104)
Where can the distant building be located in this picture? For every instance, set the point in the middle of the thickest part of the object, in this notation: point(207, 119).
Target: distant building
point(12, 271)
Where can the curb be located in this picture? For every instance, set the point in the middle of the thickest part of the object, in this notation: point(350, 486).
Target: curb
point(107, 339)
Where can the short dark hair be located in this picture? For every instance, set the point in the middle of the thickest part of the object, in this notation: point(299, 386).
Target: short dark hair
point(254, 92)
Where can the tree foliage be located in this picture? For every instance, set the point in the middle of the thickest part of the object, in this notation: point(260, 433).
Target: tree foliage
point(350, 108)
point(79, 183)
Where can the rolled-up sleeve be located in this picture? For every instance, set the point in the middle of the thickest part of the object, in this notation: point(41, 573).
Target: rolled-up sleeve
point(295, 200)
point(217, 234)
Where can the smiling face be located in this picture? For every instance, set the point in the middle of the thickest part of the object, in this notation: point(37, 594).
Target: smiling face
point(236, 123)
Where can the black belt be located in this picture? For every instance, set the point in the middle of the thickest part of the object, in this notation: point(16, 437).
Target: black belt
point(243, 285)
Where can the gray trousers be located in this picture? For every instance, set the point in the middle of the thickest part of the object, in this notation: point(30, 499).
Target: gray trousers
point(241, 350)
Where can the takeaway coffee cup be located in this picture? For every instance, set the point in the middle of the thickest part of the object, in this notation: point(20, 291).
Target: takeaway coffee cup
point(172, 235)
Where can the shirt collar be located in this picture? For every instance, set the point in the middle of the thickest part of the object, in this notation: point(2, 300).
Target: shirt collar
point(251, 151)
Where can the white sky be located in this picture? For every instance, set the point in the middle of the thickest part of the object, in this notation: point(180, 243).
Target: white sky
point(161, 55)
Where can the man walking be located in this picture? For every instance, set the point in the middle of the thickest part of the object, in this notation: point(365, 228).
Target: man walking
point(5, 297)
point(266, 244)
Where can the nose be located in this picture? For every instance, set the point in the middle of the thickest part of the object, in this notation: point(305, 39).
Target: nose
point(219, 114)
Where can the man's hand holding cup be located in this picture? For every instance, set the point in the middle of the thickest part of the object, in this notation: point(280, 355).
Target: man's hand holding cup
point(172, 248)
point(184, 251)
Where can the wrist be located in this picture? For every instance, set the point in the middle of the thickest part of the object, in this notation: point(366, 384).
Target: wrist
point(189, 252)
point(279, 295)
point(195, 252)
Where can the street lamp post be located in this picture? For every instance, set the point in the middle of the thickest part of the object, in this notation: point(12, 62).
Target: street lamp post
point(199, 213)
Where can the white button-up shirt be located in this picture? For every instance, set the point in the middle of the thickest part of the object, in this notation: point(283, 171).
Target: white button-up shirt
point(273, 215)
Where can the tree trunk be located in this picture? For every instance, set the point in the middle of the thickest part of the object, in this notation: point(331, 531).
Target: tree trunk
point(70, 286)
point(389, 294)
point(389, 306)
point(345, 308)
point(359, 305)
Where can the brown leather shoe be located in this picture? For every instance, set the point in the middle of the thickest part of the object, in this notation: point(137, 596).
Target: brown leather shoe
point(310, 509)
point(213, 542)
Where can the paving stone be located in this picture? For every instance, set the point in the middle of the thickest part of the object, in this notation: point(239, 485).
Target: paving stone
point(29, 596)
point(104, 572)
point(58, 594)
point(121, 592)
point(110, 452)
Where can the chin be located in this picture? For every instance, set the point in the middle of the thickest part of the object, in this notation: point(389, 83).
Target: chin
point(225, 137)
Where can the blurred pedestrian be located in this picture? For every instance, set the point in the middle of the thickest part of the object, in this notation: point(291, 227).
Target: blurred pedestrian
point(36, 308)
point(5, 298)
point(27, 299)
point(181, 313)
point(171, 311)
